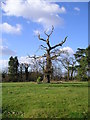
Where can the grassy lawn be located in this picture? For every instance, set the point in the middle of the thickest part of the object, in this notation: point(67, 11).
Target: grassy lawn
point(31, 100)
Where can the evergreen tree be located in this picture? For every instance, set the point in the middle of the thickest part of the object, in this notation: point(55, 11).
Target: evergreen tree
point(16, 64)
point(82, 58)
point(21, 71)
point(13, 68)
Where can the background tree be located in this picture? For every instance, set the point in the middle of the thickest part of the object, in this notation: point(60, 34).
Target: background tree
point(68, 62)
point(21, 71)
point(57, 71)
point(88, 59)
point(3, 74)
point(13, 68)
point(16, 65)
point(42, 63)
point(48, 69)
point(82, 58)
point(26, 66)
point(35, 64)
point(72, 67)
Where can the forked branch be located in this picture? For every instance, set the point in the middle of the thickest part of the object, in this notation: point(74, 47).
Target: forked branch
point(50, 32)
point(41, 38)
point(43, 47)
point(60, 44)
point(36, 57)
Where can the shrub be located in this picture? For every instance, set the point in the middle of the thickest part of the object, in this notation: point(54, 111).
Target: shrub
point(39, 80)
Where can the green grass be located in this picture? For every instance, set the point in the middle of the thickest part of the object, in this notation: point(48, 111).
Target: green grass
point(31, 100)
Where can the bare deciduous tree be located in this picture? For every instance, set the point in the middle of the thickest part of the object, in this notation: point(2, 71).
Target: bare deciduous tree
point(48, 69)
point(69, 64)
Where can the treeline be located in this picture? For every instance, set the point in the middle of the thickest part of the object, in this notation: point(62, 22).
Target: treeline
point(19, 72)
point(76, 67)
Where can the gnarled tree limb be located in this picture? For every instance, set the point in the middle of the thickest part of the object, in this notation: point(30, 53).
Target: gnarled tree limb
point(41, 38)
point(50, 32)
point(60, 44)
point(44, 47)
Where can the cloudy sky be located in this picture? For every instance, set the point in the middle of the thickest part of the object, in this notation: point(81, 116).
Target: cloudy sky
point(22, 20)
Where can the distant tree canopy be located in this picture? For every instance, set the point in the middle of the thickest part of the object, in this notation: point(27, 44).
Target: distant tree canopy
point(42, 66)
point(77, 68)
point(13, 68)
point(68, 63)
point(83, 59)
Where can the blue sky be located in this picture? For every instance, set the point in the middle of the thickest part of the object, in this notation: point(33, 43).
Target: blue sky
point(20, 25)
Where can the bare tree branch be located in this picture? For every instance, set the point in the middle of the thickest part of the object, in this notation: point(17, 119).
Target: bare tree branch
point(41, 38)
point(62, 63)
point(36, 57)
point(47, 41)
point(50, 32)
point(42, 63)
point(44, 47)
point(60, 44)
point(26, 65)
point(55, 56)
point(56, 53)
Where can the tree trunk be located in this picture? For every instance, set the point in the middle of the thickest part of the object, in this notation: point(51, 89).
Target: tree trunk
point(68, 72)
point(48, 70)
point(48, 78)
point(26, 73)
point(68, 75)
point(21, 73)
point(72, 74)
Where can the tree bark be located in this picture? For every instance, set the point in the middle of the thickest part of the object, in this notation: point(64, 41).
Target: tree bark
point(72, 73)
point(68, 71)
point(68, 75)
point(48, 70)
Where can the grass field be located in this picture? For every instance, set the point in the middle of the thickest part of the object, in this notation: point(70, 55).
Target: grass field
point(31, 100)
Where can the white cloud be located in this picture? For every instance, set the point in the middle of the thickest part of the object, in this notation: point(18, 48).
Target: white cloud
point(68, 49)
point(5, 51)
point(39, 11)
point(7, 28)
point(36, 32)
point(3, 64)
point(77, 9)
point(68, 0)
point(24, 59)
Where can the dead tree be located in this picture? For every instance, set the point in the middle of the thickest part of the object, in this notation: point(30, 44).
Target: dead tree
point(48, 69)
